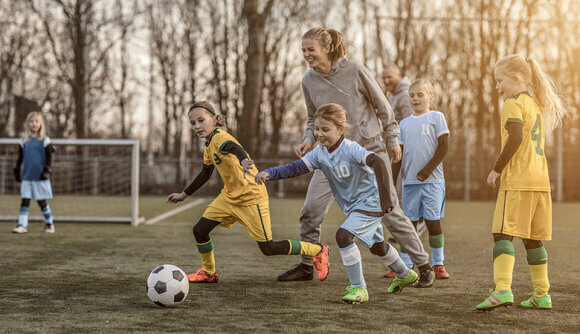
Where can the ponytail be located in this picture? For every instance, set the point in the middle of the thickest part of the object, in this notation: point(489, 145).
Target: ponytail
point(546, 95)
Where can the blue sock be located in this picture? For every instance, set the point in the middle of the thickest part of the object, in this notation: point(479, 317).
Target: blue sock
point(394, 261)
point(407, 259)
point(23, 216)
point(47, 214)
point(353, 264)
point(437, 256)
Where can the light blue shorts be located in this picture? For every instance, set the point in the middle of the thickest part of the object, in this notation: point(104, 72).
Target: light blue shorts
point(367, 229)
point(36, 190)
point(425, 201)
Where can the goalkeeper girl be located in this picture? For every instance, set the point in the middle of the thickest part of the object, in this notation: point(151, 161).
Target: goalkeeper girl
point(33, 169)
point(241, 200)
point(524, 204)
point(360, 183)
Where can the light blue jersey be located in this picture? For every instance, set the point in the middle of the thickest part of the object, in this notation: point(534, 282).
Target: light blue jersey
point(419, 136)
point(353, 183)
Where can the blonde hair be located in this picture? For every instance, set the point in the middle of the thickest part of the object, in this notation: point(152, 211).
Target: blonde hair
point(334, 113)
point(220, 119)
point(423, 83)
point(328, 37)
point(539, 84)
point(28, 133)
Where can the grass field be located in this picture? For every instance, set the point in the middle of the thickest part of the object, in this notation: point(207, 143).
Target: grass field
point(91, 278)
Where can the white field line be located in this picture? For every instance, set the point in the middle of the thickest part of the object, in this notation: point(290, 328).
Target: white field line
point(174, 212)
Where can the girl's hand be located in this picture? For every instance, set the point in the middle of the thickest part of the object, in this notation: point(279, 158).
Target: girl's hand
point(247, 165)
point(176, 197)
point(424, 174)
point(493, 175)
point(261, 177)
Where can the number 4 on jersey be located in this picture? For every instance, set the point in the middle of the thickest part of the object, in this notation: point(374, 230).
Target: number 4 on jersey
point(536, 135)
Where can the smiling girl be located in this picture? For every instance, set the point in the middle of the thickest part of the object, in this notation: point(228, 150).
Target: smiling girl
point(360, 183)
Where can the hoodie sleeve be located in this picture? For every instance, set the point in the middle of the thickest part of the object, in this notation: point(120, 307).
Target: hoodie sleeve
point(382, 107)
point(308, 136)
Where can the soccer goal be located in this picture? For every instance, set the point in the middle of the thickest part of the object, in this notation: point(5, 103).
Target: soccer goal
point(93, 180)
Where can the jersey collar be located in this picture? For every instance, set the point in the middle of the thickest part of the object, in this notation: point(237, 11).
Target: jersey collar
point(210, 138)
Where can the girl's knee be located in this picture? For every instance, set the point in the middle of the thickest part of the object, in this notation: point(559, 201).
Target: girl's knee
point(344, 238)
point(379, 248)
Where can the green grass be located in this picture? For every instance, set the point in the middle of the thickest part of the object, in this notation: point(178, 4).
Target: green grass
point(91, 278)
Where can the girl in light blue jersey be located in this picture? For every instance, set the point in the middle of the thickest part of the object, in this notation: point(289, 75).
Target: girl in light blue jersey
point(423, 141)
point(359, 181)
point(35, 157)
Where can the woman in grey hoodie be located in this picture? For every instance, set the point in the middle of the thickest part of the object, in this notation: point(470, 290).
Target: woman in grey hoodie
point(334, 79)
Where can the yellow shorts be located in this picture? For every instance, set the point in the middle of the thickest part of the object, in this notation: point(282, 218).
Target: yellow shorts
point(255, 218)
point(523, 214)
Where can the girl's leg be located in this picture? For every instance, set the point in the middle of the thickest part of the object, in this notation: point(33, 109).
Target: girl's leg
point(436, 241)
point(388, 254)
point(351, 258)
point(201, 232)
point(503, 266)
point(47, 214)
point(289, 247)
point(538, 264)
point(23, 214)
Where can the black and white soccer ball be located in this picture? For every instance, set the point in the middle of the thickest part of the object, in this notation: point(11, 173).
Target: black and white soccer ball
point(167, 285)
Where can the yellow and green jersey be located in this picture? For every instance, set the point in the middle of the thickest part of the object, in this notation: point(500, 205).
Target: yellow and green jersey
point(527, 170)
point(237, 190)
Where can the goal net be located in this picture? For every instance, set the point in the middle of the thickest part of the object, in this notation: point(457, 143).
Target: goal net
point(94, 180)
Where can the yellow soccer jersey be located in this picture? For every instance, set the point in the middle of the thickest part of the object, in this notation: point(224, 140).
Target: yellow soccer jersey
point(237, 190)
point(528, 168)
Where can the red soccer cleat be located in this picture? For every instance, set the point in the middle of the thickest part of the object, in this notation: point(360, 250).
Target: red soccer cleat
point(440, 272)
point(202, 276)
point(321, 262)
point(390, 274)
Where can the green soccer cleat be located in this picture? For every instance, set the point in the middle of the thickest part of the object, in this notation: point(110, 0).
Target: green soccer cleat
point(536, 302)
point(495, 300)
point(355, 295)
point(399, 283)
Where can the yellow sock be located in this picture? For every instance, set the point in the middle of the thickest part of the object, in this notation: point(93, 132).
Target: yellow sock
point(307, 248)
point(207, 259)
point(503, 267)
point(503, 264)
point(540, 280)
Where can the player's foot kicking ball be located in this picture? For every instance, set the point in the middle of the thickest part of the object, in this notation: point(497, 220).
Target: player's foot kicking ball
point(202, 276)
point(355, 295)
point(440, 272)
point(321, 262)
point(535, 302)
point(496, 299)
point(399, 283)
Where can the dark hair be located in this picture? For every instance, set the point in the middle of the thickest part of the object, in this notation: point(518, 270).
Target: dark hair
point(220, 119)
point(328, 37)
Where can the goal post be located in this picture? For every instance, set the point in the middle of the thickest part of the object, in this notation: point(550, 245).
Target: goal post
point(93, 180)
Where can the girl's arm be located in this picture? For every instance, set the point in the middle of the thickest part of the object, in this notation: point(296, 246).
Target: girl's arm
point(378, 165)
point(47, 169)
point(240, 153)
point(440, 152)
point(294, 169)
point(515, 137)
point(199, 181)
point(17, 176)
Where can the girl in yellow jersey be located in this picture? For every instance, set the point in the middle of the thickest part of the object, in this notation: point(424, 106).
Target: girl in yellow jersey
point(241, 200)
point(524, 205)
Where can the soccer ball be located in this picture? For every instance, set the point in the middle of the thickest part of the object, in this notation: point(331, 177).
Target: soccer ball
point(167, 285)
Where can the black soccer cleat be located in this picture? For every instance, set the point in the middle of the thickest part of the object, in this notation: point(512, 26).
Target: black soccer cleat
point(299, 273)
point(426, 277)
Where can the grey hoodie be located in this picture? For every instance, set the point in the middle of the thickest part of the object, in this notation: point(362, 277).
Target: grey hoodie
point(399, 100)
point(351, 85)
